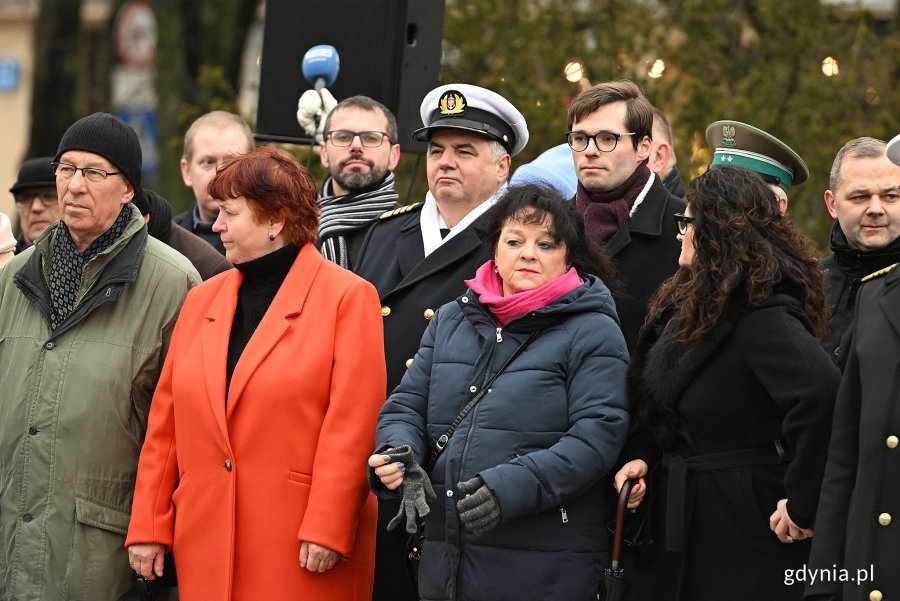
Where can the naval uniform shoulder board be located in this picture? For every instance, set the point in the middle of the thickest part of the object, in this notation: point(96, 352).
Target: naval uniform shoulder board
point(878, 273)
point(400, 210)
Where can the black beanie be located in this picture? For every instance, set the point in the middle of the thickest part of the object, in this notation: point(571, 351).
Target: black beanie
point(109, 137)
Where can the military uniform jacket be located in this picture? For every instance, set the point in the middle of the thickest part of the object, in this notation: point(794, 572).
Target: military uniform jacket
point(646, 254)
point(859, 509)
point(411, 286)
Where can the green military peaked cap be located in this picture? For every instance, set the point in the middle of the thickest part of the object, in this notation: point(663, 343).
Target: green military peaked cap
point(737, 144)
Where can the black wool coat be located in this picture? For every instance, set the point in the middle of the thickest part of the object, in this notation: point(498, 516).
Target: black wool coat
point(858, 526)
point(761, 376)
point(843, 271)
point(646, 254)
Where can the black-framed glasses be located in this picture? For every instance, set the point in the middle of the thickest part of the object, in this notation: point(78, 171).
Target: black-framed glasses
point(25, 199)
point(683, 222)
point(91, 174)
point(605, 141)
point(369, 139)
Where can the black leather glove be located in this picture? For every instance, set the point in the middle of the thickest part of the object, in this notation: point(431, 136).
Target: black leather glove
point(416, 490)
point(479, 510)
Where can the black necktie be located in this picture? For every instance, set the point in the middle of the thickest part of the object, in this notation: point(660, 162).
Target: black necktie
point(444, 232)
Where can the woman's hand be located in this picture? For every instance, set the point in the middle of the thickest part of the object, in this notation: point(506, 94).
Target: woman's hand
point(317, 558)
point(784, 527)
point(391, 474)
point(636, 468)
point(147, 559)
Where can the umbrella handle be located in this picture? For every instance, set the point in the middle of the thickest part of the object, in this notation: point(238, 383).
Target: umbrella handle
point(620, 520)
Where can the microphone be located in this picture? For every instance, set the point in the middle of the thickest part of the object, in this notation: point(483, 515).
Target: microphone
point(321, 65)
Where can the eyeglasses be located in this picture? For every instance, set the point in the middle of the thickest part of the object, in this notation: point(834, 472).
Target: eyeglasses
point(91, 174)
point(369, 139)
point(605, 141)
point(25, 199)
point(683, 222)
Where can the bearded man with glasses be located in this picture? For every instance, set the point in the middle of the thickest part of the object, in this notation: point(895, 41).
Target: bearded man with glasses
point(86, 316)
point(36, 200)
point(625, 205)
point(360, 151)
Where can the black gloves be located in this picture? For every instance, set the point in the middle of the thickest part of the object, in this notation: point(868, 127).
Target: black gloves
point(479, 510)
point(416, 489)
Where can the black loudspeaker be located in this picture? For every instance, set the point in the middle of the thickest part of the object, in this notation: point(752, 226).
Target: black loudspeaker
point(389, 50)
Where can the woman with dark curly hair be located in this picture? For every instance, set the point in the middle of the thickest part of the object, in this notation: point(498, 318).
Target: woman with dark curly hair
point(731, 395)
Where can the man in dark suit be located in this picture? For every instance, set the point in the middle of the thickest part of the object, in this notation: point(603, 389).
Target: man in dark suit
point(419, 256)
point(625, 205)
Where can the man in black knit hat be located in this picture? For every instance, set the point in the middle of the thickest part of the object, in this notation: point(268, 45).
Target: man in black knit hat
point(86, 315)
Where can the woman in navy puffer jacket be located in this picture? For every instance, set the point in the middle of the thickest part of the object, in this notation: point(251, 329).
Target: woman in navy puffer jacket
point(523, 490)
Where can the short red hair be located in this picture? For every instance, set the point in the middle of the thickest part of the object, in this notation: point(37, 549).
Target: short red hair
point(276, 187)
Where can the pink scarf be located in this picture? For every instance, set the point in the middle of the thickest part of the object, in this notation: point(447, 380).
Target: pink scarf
point(489, 288)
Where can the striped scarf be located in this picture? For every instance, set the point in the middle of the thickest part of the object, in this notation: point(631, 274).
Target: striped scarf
point(343, 215)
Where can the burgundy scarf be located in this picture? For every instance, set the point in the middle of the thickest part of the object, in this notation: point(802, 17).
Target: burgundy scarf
point(605, 213)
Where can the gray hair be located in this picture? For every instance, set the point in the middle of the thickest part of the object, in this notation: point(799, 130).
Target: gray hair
point(497, 150)
point(860, 148)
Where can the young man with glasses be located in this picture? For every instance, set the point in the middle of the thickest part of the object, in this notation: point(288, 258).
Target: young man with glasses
point(625, 205)
point(86, 315)
point(36, 200)
point(360, 150)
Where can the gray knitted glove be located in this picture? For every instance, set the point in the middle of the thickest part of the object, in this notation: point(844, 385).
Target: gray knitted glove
point(479, 510)
point(416, 489)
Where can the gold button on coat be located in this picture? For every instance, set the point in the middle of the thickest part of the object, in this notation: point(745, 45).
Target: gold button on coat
point(892, 442)
point(385, 311)
point(884, 519)
point(875, 596)
point(228, 464)
point(429, 313)
point(408, 363)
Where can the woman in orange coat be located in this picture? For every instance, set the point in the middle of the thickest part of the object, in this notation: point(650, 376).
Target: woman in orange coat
point(253, 469)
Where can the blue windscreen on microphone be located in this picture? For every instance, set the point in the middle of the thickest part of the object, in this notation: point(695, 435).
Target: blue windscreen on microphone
point(321, 62)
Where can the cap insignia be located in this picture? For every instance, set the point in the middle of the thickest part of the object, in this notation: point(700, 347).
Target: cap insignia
point(452, 103)
point(728, 131)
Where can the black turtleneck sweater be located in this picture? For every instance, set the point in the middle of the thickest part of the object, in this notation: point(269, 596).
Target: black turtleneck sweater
point(262, 279)
point(843, 272)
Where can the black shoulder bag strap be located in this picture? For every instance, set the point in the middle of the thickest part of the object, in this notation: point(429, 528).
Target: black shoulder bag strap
point(441, 443)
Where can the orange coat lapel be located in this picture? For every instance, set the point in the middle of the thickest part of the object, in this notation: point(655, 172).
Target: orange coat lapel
point(214, 344)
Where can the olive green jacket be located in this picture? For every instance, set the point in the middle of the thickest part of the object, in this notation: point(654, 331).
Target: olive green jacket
point(73, 412)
